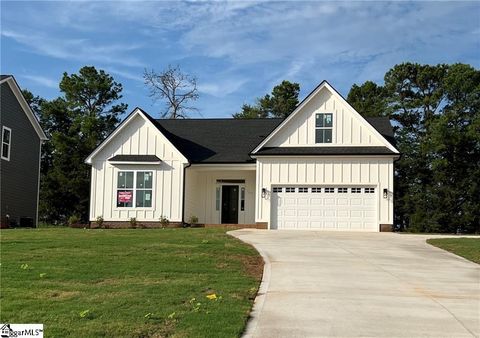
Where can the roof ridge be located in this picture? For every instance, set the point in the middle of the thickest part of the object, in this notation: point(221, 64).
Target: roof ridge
point(223, 119)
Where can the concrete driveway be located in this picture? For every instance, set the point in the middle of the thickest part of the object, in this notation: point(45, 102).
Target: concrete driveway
point(324, 284)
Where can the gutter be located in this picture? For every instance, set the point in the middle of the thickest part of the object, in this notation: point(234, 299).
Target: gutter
point(183, 189)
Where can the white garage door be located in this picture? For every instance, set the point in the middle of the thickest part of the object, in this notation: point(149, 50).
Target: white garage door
point(324, 208)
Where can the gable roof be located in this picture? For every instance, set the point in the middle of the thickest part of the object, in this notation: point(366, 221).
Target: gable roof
point(10, 80)
point(231, 140)
point(313, 93)
point(136, 112)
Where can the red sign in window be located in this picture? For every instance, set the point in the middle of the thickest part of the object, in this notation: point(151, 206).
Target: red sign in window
point(125, 196)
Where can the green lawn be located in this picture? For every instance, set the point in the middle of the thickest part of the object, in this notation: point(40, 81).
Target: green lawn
point(468, 248)
point(129, 282)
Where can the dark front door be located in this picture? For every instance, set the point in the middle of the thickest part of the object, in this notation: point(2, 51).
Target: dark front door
point(230, 204)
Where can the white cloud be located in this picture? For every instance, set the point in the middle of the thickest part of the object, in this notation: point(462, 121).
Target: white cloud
point(42, 80)
point(221, 87)
point(81, 49)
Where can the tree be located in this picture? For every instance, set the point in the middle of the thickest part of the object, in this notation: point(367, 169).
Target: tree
point(455, 142)
point(175, 87)
point(280, 103)
point(436, 113)
point(369, 99)
point(76, 123)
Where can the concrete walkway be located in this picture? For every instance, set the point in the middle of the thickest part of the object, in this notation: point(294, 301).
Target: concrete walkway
point(325, 284)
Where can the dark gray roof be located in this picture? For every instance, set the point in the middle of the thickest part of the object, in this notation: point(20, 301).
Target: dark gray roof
point(2, 77)
point(383, 126)
point(135, 158)
point(232, 140)
point(318, 151)
point(217, 140)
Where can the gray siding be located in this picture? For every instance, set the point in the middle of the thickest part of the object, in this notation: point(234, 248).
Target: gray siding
point(19, 176)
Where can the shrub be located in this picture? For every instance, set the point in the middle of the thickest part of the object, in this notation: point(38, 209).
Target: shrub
point(99, 221)
point(164, 221)
point(72, 220)
point(133, 222)
point(193, 220)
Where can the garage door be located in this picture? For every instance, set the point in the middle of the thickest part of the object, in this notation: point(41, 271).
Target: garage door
point(324, 208)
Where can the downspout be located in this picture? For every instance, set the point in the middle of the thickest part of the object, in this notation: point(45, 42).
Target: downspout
point(38, 181)
point(184, 188)
point(394, 189)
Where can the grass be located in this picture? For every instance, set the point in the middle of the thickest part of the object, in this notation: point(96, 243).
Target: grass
point(129, 282)
point(468, 248)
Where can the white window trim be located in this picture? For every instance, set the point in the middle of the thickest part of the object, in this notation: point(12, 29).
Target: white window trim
point(133, 207)
point(323, 128)
point(7, 158)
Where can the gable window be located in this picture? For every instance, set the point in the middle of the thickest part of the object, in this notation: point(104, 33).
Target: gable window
point(134, 188)
point(6, 143)
point(323, 128)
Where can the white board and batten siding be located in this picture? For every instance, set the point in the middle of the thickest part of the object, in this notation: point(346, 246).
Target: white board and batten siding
point(348, 128)
point(138, 137)
point(330, 172)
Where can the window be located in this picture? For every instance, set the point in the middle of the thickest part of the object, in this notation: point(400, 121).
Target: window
point(302, 189)
point(143, 197)
point(277, 189)
point(323, 128)
point(342, 190)
point(369, 190)
point(316, 190)
point(6, 143)
point(134, 188)
point(289, 189)
point(329, 190)
point(356, 190)
point(242, 199)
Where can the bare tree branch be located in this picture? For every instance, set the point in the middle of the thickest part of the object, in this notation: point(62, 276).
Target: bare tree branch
point(174, 87)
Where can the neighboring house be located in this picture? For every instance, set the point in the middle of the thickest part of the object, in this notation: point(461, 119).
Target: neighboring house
point(324, 167)
point(21, 141)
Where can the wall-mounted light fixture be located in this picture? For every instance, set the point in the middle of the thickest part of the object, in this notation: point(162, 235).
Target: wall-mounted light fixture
point(385, 193)
point(264, 192)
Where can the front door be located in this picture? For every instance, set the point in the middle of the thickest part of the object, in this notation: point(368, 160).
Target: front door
point(229, 204)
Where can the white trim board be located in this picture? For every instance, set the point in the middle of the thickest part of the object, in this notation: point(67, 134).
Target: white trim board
point(25, 106)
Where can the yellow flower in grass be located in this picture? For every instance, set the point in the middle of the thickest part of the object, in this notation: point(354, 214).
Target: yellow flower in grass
point(212, 296)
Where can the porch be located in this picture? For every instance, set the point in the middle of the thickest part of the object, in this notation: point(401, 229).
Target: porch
point(221, 194)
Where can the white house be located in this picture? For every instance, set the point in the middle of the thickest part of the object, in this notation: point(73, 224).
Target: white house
point(325, 167)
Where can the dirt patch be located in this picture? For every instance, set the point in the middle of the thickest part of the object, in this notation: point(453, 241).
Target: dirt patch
point(252, 265)
point(58, 294)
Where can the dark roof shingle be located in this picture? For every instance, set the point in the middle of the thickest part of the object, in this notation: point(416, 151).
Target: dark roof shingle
point(318, 151)
point(134, 158)
point(232, 140)
point(217, 140)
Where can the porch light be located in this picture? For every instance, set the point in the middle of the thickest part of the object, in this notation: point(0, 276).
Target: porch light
point(385, 193)
point(264, 192)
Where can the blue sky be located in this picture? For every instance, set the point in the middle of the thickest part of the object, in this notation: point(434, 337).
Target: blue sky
point(237, 50)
